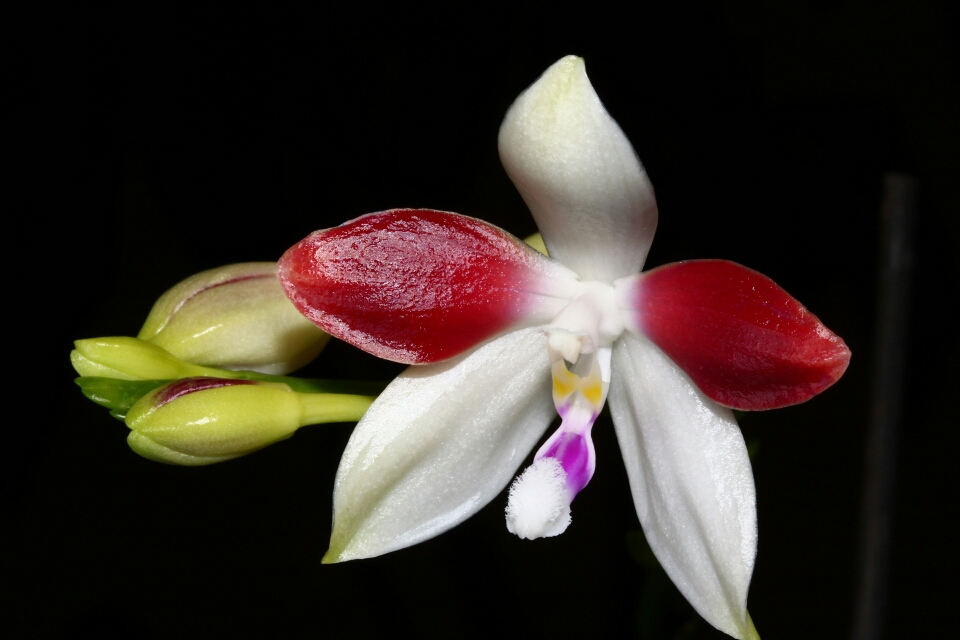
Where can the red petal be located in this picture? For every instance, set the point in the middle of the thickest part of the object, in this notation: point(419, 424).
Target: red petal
point(745, 341)
point(420, 286)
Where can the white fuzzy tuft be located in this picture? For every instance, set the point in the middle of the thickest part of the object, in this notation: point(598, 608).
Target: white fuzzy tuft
point(538, 506)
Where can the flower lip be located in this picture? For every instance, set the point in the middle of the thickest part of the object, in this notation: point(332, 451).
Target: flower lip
point(575, 453)
point(539, 504)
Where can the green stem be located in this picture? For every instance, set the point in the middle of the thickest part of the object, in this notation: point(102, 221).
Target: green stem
point(313, 385)
point(319, 408)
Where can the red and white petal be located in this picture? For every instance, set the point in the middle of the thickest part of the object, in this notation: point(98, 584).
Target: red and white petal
point(579, 175)
point(745, 341)
point(691, 481)
point(420, 286)
point(438, 444)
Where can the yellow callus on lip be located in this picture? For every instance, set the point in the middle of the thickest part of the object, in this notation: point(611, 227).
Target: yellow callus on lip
point(591, 387)
point(564, 382)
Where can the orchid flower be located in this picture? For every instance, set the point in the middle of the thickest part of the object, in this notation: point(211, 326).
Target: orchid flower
point(502, 338)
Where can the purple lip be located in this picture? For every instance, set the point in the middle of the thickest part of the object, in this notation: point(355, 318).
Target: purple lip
point(572, 450)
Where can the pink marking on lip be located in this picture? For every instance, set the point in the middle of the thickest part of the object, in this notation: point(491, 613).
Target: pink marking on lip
point(186, 386)
point(574, 451)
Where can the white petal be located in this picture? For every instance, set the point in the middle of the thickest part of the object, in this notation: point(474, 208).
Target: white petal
point(691, 480)
point(439, 444)
point(579, 175)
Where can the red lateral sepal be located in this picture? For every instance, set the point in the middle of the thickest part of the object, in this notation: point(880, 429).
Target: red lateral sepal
point(744, 341)
point(417, 286)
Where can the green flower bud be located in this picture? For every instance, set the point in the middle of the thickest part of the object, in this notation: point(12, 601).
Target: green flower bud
point(197, 421)
point(234, 317)
point(130, 359)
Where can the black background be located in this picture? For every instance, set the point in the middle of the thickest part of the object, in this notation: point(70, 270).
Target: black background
point(146, 147)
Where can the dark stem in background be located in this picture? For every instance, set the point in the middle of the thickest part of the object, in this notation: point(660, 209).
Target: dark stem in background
point(898, 212)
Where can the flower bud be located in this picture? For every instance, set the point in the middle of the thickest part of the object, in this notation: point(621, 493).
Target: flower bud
point(234, 317)
point(198, 421)
point(130, 359)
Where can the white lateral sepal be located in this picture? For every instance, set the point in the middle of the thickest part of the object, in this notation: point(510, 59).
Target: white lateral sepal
point(438, 444)
point(691, 480)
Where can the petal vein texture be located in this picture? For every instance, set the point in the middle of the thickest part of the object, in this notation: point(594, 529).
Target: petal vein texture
point(438, 444)
point(691, 481)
